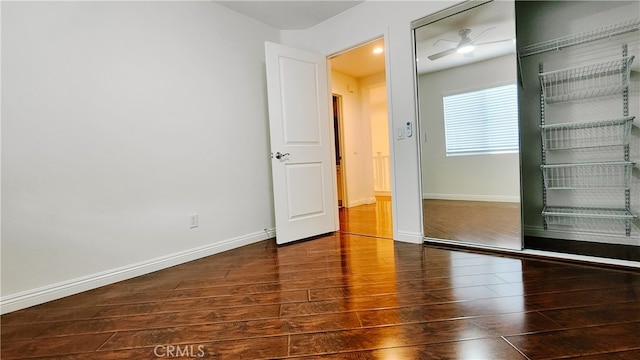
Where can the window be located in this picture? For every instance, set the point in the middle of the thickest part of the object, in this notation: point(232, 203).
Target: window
point(482, 122)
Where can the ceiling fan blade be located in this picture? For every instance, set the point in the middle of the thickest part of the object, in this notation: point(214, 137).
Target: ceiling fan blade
point(494, 42)
point(482, 33)
point(437, 56)
point(446, 40)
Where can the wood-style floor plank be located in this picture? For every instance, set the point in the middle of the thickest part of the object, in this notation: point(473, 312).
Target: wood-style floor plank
point(488, 348)
point(481, 222)
point(343, 296)
point(57, 345)
point(589, 340)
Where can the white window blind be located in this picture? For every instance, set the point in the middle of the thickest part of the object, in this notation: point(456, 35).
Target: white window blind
point(482, 122)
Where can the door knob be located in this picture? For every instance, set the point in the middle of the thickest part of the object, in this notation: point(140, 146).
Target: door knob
point(280, 155)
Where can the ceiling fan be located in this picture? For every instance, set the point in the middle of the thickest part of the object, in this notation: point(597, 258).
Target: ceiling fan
point(465, 46)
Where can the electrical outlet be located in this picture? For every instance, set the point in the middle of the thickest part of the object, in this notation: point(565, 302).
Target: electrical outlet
point(193, 221)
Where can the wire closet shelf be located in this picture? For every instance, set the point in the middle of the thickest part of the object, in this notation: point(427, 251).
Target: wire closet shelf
point(600, 175)
point(581, 38)
point(587, 217)
point(587, 81)
point(610, 132)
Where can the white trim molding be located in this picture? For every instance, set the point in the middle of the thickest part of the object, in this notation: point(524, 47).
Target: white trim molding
point(409, 237)
point(383, 193)
point(471, 197)
point(59, 290)
point(365, 201)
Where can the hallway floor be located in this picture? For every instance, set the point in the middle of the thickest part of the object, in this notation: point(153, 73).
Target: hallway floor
point(370, 219)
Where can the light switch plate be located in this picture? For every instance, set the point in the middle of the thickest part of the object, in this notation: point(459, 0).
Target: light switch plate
point(193, 221)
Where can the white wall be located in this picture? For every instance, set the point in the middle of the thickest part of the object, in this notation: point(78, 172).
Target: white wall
point(357, 25)
point(121, 118)
point(375, 89)
point(374, 101)
point(118, 120)
point(356, 146)
point(493, 177)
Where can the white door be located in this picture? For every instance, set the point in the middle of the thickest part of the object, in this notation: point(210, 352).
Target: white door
point(301, 143)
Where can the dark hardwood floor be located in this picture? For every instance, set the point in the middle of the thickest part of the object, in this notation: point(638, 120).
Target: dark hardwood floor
point(494, 224)
point(343, 296)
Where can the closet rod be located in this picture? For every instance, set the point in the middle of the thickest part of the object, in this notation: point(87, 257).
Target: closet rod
point(571, 40)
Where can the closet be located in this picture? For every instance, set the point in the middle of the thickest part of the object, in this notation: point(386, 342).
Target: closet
point(580, 97)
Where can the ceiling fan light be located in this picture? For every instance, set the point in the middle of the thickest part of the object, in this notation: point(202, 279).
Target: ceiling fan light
point(465, 49)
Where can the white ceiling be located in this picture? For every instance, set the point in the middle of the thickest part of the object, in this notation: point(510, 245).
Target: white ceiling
point(360, 62)
point(302, 14)
point(291, 14)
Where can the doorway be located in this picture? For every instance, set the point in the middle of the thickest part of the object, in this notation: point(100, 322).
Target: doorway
point(337, 114)
point(361, 124)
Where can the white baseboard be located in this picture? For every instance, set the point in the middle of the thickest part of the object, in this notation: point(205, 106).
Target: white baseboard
point(471, 197)
point(371, 200)
point(59, 290)
point(271, 233)
point(409, 237)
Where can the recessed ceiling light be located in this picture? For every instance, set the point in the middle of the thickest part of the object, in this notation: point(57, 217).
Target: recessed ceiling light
point(378, 50)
